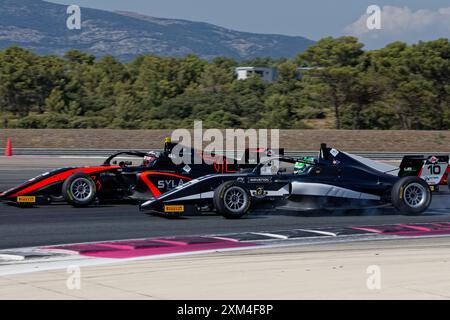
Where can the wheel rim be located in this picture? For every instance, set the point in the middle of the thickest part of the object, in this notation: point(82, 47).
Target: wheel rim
point(81, 189)
point(235, 199)
point(415, 195)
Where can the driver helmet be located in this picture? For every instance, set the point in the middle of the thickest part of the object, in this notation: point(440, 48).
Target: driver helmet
point(150, 158)
point(301, 167)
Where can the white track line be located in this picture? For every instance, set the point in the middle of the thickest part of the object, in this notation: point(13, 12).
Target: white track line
point(325, 233)
point(271, 235)
point(11, 257)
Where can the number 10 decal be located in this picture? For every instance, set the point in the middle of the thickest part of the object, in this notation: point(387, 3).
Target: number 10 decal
point(434, 169)
point(433, 173)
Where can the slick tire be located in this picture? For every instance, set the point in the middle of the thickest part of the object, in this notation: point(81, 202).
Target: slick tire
point(232, 200)
point(79, 190)
point(411, 195)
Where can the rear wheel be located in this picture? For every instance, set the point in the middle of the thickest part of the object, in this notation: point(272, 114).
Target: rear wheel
point(411, 195)
point(79, 190)
point(232, 200)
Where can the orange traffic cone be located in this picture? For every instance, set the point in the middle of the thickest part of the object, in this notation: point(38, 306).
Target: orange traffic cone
point(8, 150)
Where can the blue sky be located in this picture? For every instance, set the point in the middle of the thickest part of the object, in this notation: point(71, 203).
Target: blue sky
point(407, 20)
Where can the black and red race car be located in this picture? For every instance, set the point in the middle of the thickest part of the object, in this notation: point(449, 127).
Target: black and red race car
point(118, 179)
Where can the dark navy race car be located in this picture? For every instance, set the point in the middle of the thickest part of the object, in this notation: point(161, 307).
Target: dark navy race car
point(334, 179)
point(127, 175)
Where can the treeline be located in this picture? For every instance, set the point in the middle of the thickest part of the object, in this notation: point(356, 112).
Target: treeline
point(397, 87)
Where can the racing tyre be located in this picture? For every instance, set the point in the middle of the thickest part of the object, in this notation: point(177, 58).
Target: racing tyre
point(232, 200)
point(79, 190)
point(411, 195)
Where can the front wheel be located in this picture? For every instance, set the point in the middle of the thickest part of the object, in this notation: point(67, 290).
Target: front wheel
point(79, 190)
point(232, 200)
point(411, 195)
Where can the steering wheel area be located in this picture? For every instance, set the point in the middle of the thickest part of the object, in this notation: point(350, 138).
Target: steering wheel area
point(281, 165)
point(111, 160)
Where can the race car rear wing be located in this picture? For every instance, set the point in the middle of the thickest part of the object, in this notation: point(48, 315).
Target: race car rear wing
point(412, 165)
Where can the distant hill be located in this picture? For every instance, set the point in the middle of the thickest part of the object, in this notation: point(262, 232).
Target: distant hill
point(41, 27)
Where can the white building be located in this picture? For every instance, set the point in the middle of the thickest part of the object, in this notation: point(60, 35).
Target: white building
point(267, 74)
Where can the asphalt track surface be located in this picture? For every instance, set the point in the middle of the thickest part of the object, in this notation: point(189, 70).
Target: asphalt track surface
point(61, 224)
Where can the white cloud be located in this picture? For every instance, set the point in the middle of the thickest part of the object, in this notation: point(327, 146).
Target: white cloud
point(404, 24)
